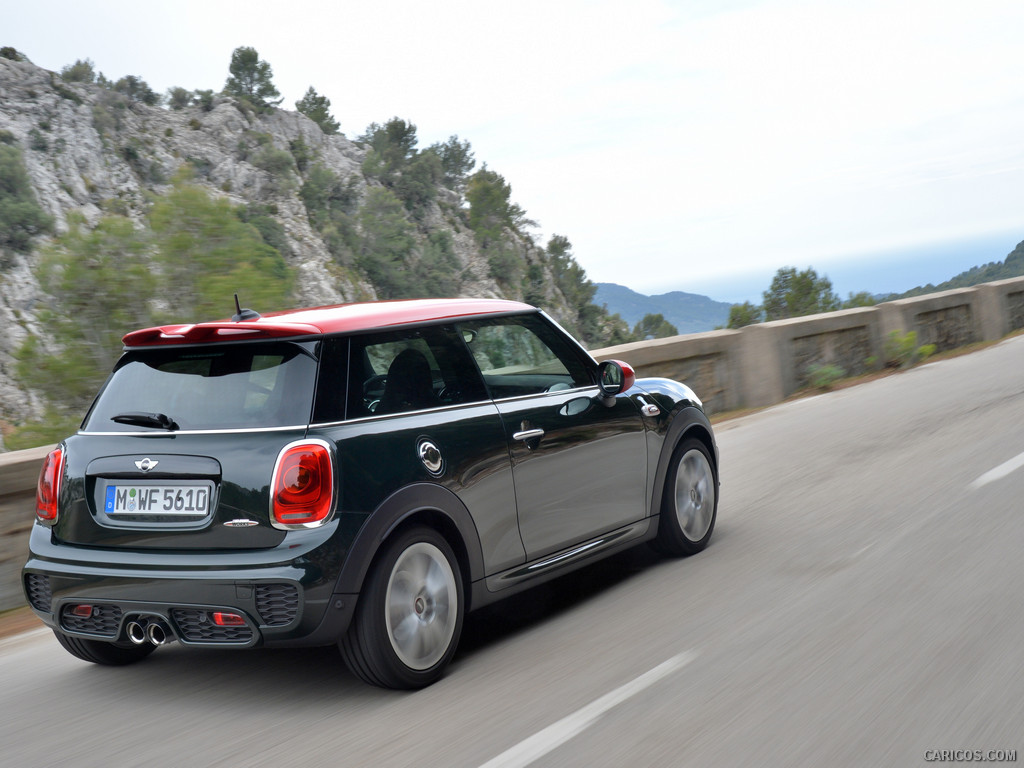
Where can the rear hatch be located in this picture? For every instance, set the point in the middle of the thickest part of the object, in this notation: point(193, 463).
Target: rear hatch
point(179, 449)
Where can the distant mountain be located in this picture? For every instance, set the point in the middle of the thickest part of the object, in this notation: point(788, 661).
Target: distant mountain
point(1012, 266)
point(689, 312)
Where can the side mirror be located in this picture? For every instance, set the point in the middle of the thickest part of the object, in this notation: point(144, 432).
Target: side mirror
point(614, 376)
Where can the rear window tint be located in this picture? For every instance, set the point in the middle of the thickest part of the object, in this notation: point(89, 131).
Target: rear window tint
point(220, 387)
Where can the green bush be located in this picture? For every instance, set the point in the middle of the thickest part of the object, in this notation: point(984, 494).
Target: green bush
point(55, 425)
point(79, 72)
point(178, 97)
point(137, 89)
point(901, 350)
point(301, 153)
point(203, 99)
point(21, 218)
point(279, 164)
point(37, 141)
point(824, 376)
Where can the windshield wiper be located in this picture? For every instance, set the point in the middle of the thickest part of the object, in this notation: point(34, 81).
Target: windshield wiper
point(157, 420)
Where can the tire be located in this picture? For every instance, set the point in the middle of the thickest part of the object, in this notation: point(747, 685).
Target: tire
point(409, 615)
point(100, 652)
point(689, 504)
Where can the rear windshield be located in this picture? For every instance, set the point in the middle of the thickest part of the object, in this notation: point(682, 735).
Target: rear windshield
point(244, 386)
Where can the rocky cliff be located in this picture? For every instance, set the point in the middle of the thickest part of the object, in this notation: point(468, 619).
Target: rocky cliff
point(90, 150)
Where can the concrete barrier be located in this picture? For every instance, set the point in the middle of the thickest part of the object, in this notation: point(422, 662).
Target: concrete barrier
point(751, 367)
point(765, 363)
point(19, 473)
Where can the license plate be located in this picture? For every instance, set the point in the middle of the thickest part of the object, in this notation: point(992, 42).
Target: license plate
point(186, 500)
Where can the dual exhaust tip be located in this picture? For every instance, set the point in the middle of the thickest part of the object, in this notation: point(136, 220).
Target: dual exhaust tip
point(154, 631)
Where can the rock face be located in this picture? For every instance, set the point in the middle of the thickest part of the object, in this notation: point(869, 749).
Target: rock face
point(92, 151)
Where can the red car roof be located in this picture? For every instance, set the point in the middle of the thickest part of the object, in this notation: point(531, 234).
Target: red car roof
point(340, 318)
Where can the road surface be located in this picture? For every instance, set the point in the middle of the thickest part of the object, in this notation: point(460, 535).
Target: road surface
point(861, 603)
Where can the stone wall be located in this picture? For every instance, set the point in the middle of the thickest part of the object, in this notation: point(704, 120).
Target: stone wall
point(19, 472)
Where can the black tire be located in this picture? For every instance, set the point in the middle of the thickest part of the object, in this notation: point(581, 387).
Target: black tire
point(409, 615)
point(100, 652)
point(689, 504)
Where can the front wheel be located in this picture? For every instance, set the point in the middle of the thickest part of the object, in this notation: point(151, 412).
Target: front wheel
point(409, 617)
point(689, 504)
point(100, 652)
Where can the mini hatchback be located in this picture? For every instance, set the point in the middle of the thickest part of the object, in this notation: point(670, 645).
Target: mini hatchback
point(361, 475)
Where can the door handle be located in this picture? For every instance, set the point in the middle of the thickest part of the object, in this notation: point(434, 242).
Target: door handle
point(529, 434)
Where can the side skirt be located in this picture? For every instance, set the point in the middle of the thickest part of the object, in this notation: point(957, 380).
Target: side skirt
point(530, 574)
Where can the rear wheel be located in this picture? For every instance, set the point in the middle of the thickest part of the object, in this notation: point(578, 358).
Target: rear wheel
point(409, 617)
point(100, 652)
point(689, 504)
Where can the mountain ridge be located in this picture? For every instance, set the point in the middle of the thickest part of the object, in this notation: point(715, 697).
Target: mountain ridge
point(688, 312)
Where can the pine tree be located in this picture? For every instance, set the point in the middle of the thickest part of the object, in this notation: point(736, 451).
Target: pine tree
point(318, 109)
point(251, 78)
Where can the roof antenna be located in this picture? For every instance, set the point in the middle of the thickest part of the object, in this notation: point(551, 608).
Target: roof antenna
point(243, 314)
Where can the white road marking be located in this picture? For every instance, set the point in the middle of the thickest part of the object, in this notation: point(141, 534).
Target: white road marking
point(999, 472)
point(542, 742)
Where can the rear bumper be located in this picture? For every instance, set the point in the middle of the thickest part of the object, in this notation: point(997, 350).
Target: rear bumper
point(281, 603)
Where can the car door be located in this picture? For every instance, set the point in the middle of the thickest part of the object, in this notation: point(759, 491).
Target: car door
point(579, 462)
point(416, 412)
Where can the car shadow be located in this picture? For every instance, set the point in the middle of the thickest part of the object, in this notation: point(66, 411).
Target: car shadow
point(538, 604)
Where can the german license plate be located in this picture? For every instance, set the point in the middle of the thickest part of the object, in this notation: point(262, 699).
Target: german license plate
point(190, 500)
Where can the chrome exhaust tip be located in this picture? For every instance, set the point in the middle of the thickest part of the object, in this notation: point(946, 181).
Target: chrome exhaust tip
point(136, 633)
point(156, 633)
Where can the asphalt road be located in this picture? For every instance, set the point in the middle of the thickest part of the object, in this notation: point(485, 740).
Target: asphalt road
point(860, 604)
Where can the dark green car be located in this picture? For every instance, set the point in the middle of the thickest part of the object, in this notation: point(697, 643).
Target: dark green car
point(363, 474)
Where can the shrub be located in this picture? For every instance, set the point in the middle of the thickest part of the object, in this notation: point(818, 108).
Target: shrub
point(137, 89)
point(279, 164)
point(203, 100)
point(21, 218)
point(301, 153)
point(178, 97)
point(902, 351)
point(37, 141)
point(824, 376)
point(7, 52)
point(82, 71)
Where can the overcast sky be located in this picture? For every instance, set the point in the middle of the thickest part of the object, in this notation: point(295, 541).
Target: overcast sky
point(694, 145)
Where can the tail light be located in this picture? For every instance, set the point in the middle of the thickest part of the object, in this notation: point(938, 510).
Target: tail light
point(48, 488)
point(302, 495)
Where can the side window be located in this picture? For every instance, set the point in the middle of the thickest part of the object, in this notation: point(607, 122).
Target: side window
point(410, 370)
point(524, 356)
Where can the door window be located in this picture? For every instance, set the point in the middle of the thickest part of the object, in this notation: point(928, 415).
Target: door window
point(524, 356)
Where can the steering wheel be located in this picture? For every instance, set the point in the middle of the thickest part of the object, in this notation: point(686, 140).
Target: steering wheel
point(376, 384)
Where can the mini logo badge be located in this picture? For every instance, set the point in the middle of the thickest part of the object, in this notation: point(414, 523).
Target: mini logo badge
point(146, 464)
